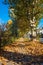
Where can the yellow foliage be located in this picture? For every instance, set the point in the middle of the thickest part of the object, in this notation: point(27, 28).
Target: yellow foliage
point(10, 22)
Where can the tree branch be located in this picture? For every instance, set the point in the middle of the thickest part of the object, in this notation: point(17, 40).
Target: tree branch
point(36, 13)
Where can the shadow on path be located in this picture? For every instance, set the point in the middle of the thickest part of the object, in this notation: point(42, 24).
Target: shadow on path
point(23, 58)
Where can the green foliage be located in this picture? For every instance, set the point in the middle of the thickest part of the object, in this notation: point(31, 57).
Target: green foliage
point(22, 11)
point(5, 35)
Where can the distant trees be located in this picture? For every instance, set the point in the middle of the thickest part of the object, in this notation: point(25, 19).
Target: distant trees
point(5, 35)
point(2, 30)
point(25, 14)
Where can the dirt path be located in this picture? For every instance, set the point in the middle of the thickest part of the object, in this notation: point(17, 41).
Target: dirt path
point(22, 53)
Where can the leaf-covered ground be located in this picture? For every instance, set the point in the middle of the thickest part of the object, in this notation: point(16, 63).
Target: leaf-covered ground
point(22, 53)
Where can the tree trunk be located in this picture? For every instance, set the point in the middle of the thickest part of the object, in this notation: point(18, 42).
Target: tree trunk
point(33, 29)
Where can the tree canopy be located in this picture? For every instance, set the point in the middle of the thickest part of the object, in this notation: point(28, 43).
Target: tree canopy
point(25, 12)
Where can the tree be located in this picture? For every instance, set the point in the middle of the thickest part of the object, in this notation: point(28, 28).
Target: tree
point(3, 40)
point(5, 35)
point(25, 13)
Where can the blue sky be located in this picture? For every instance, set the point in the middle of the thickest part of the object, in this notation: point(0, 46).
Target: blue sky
point(4, 17)
point(40, 23)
